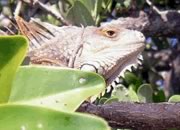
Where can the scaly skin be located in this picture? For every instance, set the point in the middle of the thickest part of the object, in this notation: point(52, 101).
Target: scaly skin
point(106, 50)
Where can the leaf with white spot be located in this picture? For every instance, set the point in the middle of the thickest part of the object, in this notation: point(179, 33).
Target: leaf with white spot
point(54, 87)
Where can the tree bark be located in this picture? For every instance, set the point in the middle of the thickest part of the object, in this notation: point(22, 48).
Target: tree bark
point(138, 116)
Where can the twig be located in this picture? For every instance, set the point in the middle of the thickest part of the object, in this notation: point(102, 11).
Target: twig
point(18, 8)
point(34, 11)
point(11, 32)
point(54, 13)
point(58, 16)
point(153, 7)
point(162, 14)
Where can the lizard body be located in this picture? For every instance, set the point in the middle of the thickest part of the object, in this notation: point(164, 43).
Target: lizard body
point(106, 50)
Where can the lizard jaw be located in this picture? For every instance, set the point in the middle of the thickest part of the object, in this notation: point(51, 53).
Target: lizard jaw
point(121, 68)
point(124, 63)
point(134, 62)
point(119, 65)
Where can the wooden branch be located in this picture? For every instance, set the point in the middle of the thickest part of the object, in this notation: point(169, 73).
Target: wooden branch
point(57, 15)
point(141, 116)
point(18, 8)
point(46, 8)
point(153, 24)
point(154, 8)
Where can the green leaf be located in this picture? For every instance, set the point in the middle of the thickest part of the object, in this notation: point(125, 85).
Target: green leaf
point(110, 100)
point(98, 7)
point(159, 96)
point(131, 78)
point(174, 98)
point(102, 100)
point(21, 117)
point(123, 94)
point(89, 4)
point(93, 6)
point(132, 94)
point(107, 4)
point(145, 93)
point(140, 3)
point(79, 15)
point(12, 53)
point(55, 87)
point(127, 3)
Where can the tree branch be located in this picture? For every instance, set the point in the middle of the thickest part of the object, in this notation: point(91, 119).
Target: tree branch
point(141, 116)
point(18, 8)
point(153, 7)
point(46, 8)
point(153, 24)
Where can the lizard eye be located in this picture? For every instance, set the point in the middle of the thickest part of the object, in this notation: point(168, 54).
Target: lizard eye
point(109, 33)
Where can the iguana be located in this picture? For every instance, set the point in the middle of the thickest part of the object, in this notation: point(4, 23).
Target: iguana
point(106, 50)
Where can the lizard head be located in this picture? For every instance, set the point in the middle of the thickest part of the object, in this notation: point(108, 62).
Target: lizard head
point(108, 50)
